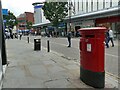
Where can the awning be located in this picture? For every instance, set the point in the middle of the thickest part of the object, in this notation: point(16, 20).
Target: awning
point(41, 24)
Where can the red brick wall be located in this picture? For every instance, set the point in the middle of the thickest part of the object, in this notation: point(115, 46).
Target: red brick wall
point(22, 20)
point(29, 17)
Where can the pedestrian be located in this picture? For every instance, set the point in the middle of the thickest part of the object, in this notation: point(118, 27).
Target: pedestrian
point(20, 35)
point(35, 33)
point(111, 36)
point(69, 39)
point(107, 39)
point(8, 35)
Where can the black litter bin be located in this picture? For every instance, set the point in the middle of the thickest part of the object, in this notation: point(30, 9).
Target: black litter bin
point(37, 44)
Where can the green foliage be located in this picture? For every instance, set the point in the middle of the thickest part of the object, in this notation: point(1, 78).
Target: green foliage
point(55, 12)
point(10, 19)
point(29, 25)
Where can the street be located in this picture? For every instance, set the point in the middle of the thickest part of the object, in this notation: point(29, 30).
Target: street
point(59, 45)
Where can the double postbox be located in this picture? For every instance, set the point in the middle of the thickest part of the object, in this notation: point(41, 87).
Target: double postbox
point(92, 56)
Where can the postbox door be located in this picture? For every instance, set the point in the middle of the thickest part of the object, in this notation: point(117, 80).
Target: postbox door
point(89, 56)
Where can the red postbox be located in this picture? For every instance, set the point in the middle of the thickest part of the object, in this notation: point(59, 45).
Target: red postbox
point(92, 56)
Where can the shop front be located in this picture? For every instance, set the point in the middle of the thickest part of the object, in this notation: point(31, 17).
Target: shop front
point(113, 22)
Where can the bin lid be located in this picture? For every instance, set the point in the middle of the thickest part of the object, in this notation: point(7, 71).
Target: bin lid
point(93, 29)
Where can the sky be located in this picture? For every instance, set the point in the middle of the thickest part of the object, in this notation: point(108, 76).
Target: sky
point(18, 7)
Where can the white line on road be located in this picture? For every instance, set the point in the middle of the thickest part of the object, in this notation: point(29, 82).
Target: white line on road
point(111, 55)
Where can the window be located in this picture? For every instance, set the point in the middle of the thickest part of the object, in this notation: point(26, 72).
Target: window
point(89, 5)
point(107, 3)
point(94, 5)
point(84, 6)
point(100, 4)
point(114, 3)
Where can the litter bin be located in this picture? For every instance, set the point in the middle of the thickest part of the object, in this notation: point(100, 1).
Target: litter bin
point(37, 44)
point(92, 56)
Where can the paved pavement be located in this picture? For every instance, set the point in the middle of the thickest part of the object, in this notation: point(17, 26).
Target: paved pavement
point(39, 69)
point(59, 45)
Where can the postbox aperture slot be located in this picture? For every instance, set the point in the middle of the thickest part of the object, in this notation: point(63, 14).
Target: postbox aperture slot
point(89, 36)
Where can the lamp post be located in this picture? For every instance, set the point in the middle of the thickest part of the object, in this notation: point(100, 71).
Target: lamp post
point(70, 5)
point(2, 39)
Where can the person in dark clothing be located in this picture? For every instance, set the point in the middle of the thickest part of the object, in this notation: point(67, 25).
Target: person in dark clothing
point(107, 39)
point(20, 35)
point(69, 39)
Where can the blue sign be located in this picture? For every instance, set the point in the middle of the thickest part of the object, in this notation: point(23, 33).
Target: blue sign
point(40, 6)
point(61, 24)
point(5, 11)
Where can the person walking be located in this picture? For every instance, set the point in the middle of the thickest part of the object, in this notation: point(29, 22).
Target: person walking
point(69, 39)
point(111, 36)
point(107, 39)
point(20, 35)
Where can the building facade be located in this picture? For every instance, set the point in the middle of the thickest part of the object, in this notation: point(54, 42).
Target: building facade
point(39, 14)
point(39, 17)
point(89, 13)
point(23, 19)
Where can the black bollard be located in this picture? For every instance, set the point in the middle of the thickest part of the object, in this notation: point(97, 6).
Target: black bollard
point(48, 45)
point(40, 44)
point(28, 39)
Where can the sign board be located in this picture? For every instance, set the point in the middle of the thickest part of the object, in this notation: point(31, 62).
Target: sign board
point(5, 11)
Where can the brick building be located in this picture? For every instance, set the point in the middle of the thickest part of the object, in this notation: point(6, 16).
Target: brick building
point(23, 19)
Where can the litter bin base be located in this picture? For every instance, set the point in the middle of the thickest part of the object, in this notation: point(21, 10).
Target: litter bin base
point(94, 79)
point(37, 47)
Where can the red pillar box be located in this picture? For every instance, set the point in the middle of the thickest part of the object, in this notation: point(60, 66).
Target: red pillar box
point(92, 56)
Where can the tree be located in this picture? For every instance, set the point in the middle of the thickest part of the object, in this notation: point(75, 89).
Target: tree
point(29, 25)
point(10, 19)
point(55, 12)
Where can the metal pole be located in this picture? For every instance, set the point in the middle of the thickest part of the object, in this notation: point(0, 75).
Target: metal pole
point(2, 44)
point(70, 16)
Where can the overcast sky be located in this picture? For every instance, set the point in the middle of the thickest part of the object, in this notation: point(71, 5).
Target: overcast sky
point(19, 6)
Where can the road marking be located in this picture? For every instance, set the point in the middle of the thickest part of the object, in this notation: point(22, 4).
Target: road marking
point(58, 43)
point(117, 78)
point(111, 55)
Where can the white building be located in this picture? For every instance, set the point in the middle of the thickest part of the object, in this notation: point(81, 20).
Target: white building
point(89, 13)
point(39, 15)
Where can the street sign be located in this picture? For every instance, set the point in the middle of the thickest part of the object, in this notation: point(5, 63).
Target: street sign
point(5, 11)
